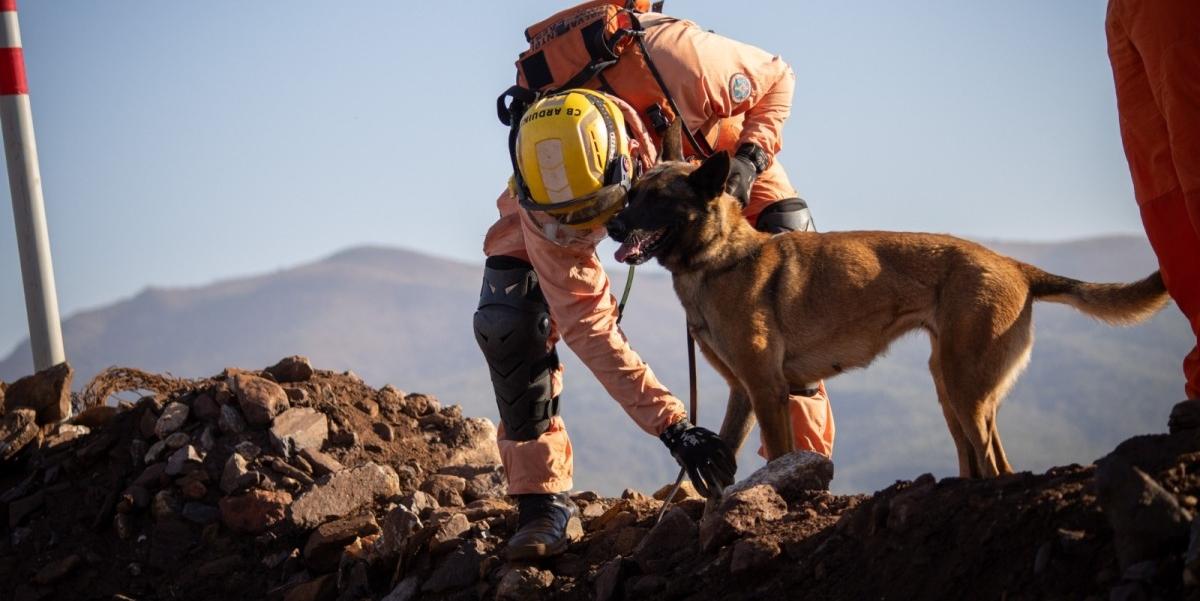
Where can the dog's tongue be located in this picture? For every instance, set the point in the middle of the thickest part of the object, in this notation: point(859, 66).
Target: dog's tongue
point(630, 250)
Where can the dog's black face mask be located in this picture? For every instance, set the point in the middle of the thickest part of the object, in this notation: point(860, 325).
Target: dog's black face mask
point(662, 204)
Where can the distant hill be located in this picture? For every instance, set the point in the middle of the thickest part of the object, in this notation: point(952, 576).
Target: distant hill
point(400, 317)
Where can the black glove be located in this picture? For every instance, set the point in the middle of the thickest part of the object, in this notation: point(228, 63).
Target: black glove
point(708, 460)
point(749, 161)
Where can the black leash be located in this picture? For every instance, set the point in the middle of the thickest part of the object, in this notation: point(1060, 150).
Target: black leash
point(694, 392)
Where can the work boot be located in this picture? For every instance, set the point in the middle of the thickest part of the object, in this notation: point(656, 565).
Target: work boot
point(1185, 415)
point(541, 526)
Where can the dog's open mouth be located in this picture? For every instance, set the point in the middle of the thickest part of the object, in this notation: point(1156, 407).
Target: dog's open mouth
point(640, 246)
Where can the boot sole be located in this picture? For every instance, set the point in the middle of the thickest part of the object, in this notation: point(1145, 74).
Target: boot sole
point(543, 550)
point(538, 551)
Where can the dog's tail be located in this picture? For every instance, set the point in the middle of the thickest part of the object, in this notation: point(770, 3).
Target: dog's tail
point(1117, 304)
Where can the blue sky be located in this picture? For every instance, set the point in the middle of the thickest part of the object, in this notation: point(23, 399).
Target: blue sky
point(184, 142)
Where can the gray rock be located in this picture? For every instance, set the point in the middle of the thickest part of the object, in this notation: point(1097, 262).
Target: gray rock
point(283, 468)
point(165, 506)
point(458, 569)
point(205, 407)
point(254, 512)
point(739, 513)
point(324, 547)
point(676, 534)
point(18, 428)
point(321, 463)
point(447, 489)
point(398, 527)
point(475, 443)
point(1147, 521)
point(421, 502)
point(751, 554)
point(384, 431)
point(449, 533)
point(291, 369)
point(155, 451)
point(299, 428)
point(177, 440)
point(524, 583)
point(207, 440)
point(247, 449)
point(231, 475)
point(48, 393)
point(609, 579)
point(407, 590)
point(790, 474)
point(63, 433)
point(343, 493)
point(200, 513)
point(173, 416)
point(183, 459)
point(230, 421)
point(151, 476)
point(1185, 416)
point(417, 404)
point(909, 503)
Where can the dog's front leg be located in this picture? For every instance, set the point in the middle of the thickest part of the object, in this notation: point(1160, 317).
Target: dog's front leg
point(769, 397)
point(739, 418)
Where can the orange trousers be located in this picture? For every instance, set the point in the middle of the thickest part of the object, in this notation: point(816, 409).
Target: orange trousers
point(1154, 47)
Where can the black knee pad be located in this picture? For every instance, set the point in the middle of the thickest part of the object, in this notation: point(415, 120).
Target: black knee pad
point(512, 326)
point(787, 215)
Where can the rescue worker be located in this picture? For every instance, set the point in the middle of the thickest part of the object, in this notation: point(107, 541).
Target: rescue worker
point(1154, 48)
point(575, 153)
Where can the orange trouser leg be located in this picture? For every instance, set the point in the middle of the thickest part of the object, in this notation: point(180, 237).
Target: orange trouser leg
point(544, 464)
point(812, 423)
point(1154, 47)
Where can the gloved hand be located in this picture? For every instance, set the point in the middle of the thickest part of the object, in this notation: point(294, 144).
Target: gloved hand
point(708, 460)
point(749, 161)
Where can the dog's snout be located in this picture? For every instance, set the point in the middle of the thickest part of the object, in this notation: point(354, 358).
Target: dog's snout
point(617, 229)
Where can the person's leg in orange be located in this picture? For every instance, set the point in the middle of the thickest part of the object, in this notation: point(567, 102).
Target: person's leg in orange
point(1155, 55)
point(517, 336)
point(774, 208)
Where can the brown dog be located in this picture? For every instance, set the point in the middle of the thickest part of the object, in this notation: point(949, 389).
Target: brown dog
point(775, 313)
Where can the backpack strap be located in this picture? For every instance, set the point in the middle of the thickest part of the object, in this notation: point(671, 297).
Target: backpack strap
point(640, 33)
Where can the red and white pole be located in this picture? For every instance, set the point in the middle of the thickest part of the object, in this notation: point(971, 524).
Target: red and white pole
point(25, 182)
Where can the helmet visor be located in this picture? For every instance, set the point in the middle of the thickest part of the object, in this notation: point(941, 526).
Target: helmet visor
point(596, 209)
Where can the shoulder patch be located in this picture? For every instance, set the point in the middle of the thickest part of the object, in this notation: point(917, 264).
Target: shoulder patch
point(739, 87)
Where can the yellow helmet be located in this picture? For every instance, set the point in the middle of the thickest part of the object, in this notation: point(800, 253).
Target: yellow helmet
point(572, 158)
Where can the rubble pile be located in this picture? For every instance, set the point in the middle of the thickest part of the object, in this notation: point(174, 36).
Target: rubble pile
point(286, 483)
point(297, 484)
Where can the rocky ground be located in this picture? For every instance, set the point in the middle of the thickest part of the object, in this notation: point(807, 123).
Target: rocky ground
point(297, 484)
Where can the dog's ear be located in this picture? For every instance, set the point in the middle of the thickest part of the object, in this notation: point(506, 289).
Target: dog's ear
point(672, 142)
point(708, 180)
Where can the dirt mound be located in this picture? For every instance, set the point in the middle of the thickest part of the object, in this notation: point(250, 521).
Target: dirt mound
point(301, 485)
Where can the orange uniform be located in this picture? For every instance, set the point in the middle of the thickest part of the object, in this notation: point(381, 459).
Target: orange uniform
point(731, 92)
point(1154, 47)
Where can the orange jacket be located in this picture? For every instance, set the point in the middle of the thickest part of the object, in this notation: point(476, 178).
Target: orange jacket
point(733, 92)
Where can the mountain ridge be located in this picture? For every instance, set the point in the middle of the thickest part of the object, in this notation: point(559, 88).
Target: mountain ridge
point(399, 315)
